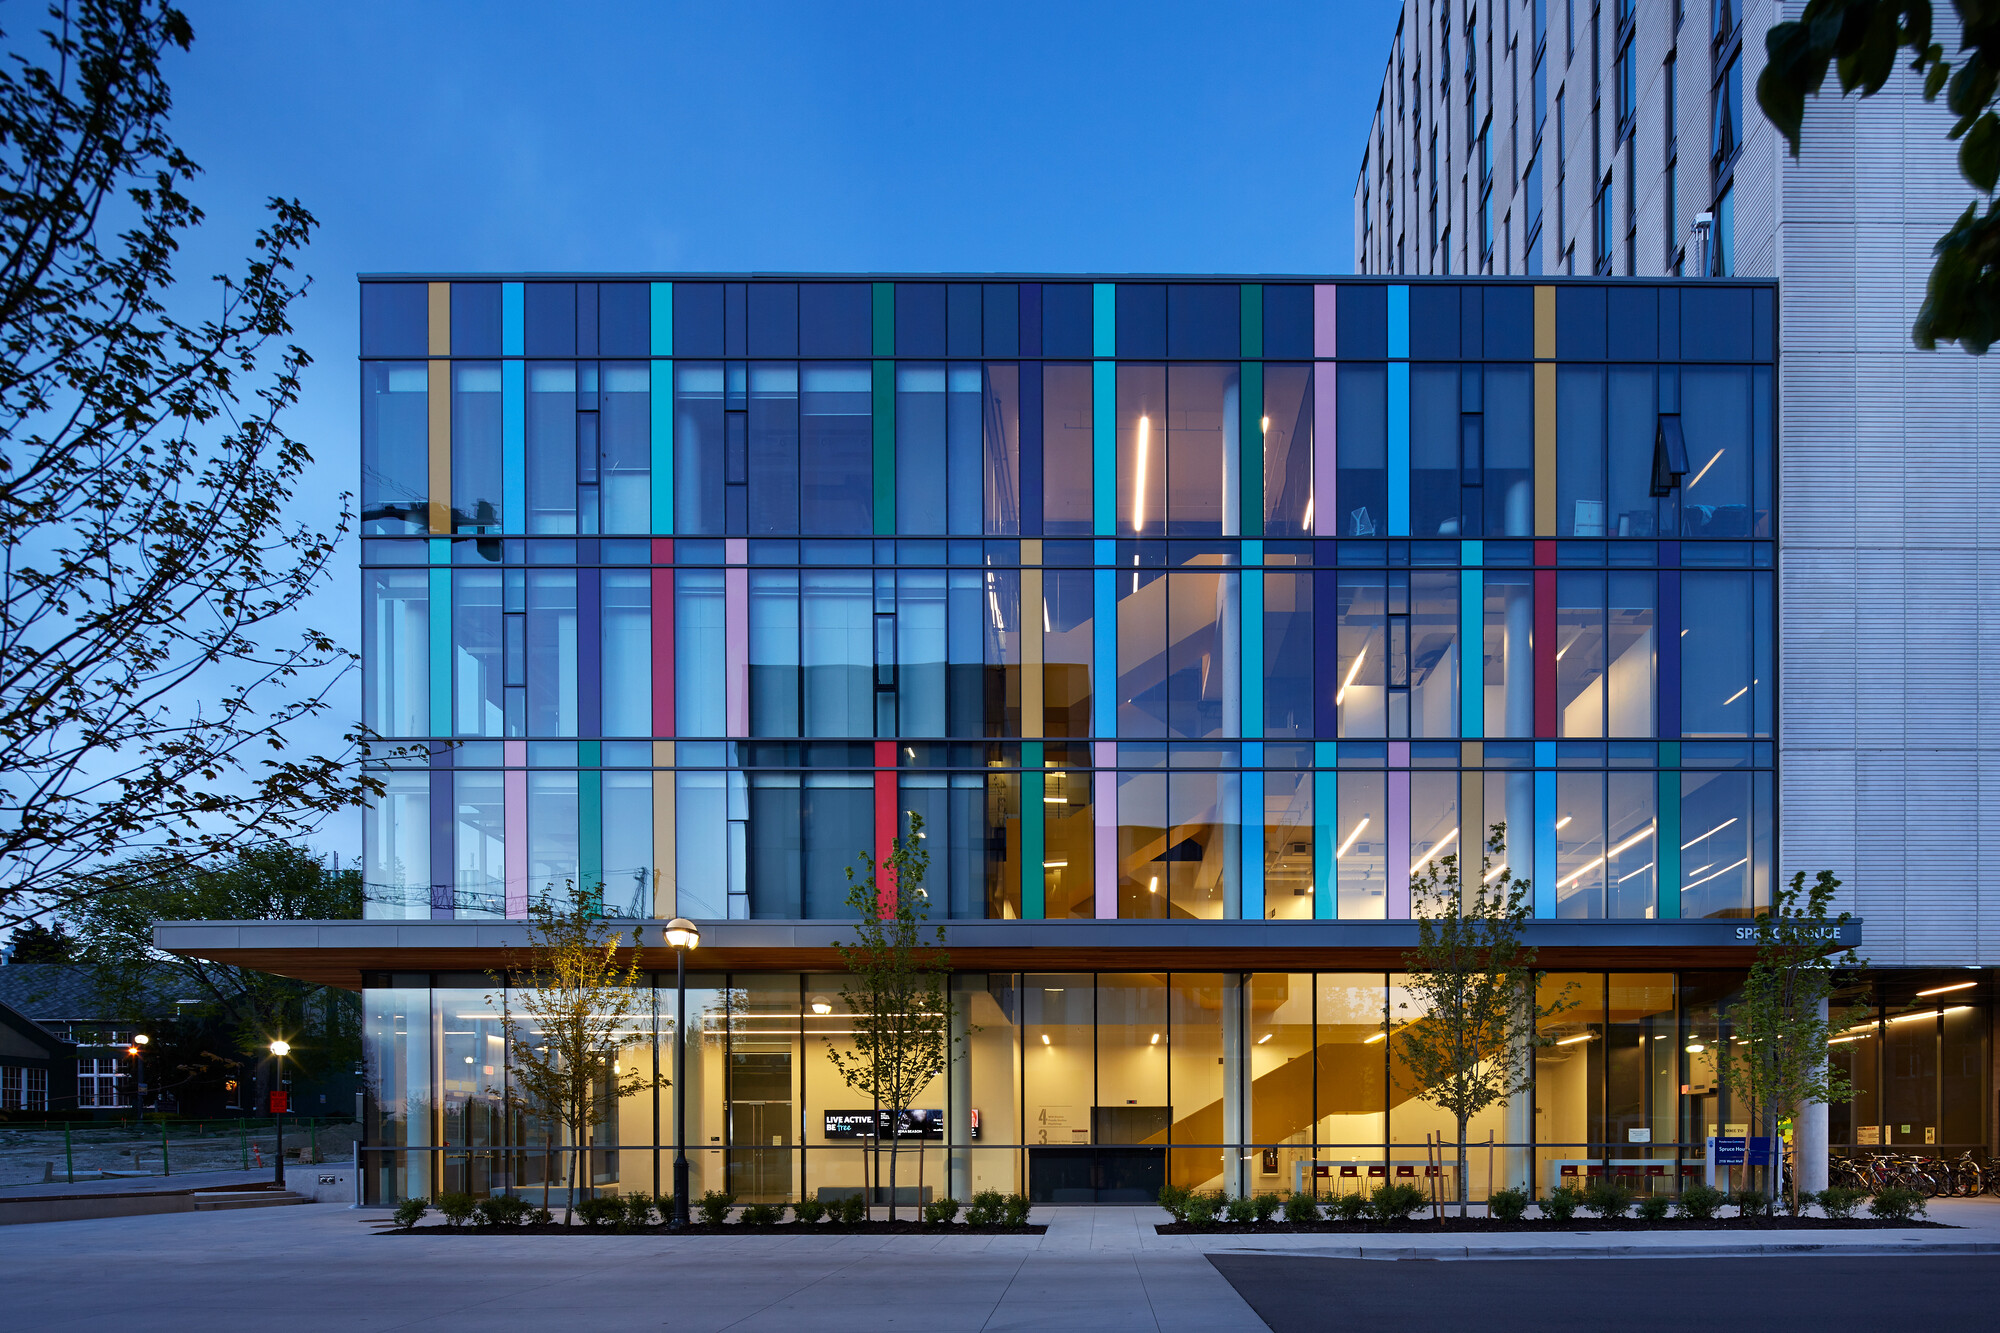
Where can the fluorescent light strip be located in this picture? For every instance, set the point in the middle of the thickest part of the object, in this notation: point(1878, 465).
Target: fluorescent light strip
point(1340, 696)
point(1351, 837)
point(1372, 1040)
point(1734, 697)
point(1640, 836)
point(1307, 521)
point(1563, 822)
point(1054, 865)
point(1425, 858)
point(1571, 1041)
point(1139, 487)
point(1940, 990)
point(1704, 471)
point(1495, 873)
point(1717, 875)
point(1711, 833)
point(1640, 871)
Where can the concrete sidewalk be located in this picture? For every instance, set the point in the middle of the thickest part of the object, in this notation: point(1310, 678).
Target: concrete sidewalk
point(1096, 1270)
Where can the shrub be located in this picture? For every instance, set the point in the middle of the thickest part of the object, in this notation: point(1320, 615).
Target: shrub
point(1752, 1203)
point(1348, 1207)
point(1240, 1209)
point(941, 1212)
point(1607, 1198)
point(542, 1217)
point(637, 1212)
point(1301, 1208)
point(410, 1212)
point(714, 1207)
point(1561, 1204)
point(601, 1212)
point(1897, 1203)
point(1395, 1203)
point(1174, 1198)
point(1653, 1207)
point(1204, 1207)
point(851, 1210)
point(1840, 1201)
point(503, 1210)
point(458, 1207)
point(761, 1214)
point(808, 1211)
point(1014, 1210)
point(1701, 1202)
point(985, 1209)
point(1265, 1207)
point(1507, 1205)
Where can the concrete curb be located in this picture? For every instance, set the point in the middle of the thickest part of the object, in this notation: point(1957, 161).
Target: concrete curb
point(1788, 1248)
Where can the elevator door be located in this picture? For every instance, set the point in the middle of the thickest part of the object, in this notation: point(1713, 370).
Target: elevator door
point(760, 1125)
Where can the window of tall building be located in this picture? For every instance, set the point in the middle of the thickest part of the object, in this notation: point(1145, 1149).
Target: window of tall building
point(1601, 210)
point(1726, 120)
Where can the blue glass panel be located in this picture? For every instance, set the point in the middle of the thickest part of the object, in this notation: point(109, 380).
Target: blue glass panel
point(475, 319)
point(1205, 320)
point(395, 319)
point(551, 319)
point(834, 319)
point(774, 319)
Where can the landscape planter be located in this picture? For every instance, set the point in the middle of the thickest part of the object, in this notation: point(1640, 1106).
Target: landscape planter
point(1547, 1226)
point(733, 1229)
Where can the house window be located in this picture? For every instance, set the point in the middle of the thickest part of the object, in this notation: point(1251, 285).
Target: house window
point(12, 1087)
point(99, 1082)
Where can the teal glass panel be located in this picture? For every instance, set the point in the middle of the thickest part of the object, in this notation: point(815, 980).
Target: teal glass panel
point(1104, 446)
point(663, 439)
point(662, 342)
point(513, 318)
point(1104, 320)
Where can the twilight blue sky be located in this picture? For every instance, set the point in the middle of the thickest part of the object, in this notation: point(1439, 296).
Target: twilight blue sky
point(1159, 137)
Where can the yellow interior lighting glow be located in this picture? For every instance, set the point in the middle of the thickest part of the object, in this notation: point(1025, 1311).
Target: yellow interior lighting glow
point(1443, 842)
point(1372, 1040)
point(1940, 990)
point(1711, 833)
point(1571, 1041)
point(1340, 695)
point(1139, 487)
point(1704, 471)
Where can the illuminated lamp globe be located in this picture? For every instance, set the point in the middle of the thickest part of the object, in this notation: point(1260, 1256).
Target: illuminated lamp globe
point(682, 934)
point(281, 1048)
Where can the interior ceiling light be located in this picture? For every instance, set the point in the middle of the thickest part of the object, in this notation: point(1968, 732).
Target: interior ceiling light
point(1139, 484)
point(1939, 990)
point(1351, 837)
point(1340, 695)
point(1372, 1040)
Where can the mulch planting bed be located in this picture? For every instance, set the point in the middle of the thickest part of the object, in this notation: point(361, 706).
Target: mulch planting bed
point(1545, 1225)
point(733, 1229)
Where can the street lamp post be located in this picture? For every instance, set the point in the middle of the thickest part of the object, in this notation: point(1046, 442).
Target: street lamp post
point(279, 1050)
point(137, 1050)
point(682, 936)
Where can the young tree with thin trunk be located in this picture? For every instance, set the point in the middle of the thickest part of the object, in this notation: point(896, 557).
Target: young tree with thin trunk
point(567, 1009)
point(1775, 1059)
point(1472, 986)
point(897, 988)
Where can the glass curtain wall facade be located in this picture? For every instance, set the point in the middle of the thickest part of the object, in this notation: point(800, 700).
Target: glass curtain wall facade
point(1073, 1087)
point(1169, 600)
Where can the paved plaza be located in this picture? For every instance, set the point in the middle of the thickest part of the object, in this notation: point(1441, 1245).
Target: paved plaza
point(1098, 1269)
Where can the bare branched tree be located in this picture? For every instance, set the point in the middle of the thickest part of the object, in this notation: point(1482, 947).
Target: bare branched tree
point(146, 544)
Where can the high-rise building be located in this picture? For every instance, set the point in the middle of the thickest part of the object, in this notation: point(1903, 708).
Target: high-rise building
point(1195, 617)
point(1567, 137)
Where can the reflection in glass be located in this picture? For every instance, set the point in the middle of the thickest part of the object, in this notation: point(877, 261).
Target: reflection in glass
point(1288, 448)
point(1361, 856)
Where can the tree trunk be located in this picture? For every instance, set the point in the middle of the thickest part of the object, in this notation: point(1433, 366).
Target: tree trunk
point(1464, 1185)
point(895, 1140)
point(548, 1163)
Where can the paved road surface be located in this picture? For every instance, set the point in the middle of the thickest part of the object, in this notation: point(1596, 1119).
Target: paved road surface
point(1856, 1294)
